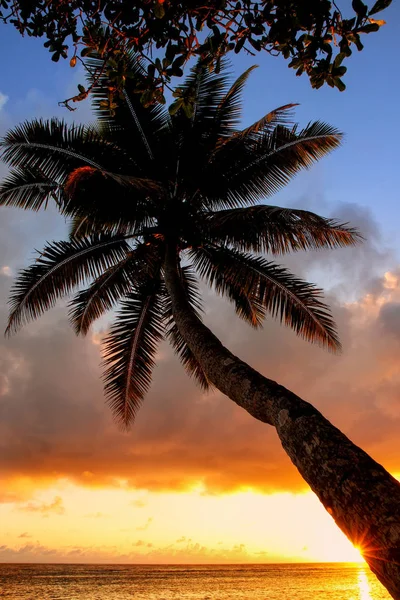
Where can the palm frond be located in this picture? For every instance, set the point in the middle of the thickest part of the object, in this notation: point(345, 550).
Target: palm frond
point(59, 268)
point(56, 148)
point(247, 171)
point(229, 111)
point(209, 263)
point(112, 285)
point(278, 230)
point(102, 295)
point(130, 349)
point(207, 89)
point(129, 121)
point(82, 227)
point(187, 358)
point(138, 125)
point(28, 189)
point(174, 336)
point(285, 152)
point(293, 301)
point(281, 116)
point(192, 139)
point(88, 192)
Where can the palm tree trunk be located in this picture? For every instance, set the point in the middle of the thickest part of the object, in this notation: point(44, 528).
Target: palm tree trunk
point(361, 496)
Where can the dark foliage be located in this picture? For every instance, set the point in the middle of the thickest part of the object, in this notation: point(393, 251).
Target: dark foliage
point(315, 37)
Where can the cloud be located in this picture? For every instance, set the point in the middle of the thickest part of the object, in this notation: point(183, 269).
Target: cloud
point(25, 535)
point(27, 553)
point(3, 100)
point(146, 525)
point(54, 421)
point(56, 507)
point(138, 503)
point(142, 553)
point(5, 270)
point(389, 316)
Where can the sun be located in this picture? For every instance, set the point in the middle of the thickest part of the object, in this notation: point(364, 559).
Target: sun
point(358, 557)
point(348, 553)
point(339, 549)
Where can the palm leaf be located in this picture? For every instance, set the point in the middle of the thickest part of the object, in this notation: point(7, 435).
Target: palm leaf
point(207, 89)
point(285, 152)
point(56, 149)
point(130, 349)
point(28, 189)
point(193, 138)
point(281, 116)
point(102, 295)
point(293, 301)
point(82, 227)
point(216, 113)
point(129, 121)
point(247, 171)
point(229, 111)
point(211, 268)
point(112, 285)
point(88, 192)
point(59, 268)
point(278, 230)
point(174, 336)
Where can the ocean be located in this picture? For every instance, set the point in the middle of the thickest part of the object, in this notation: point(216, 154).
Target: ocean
point(189, 582)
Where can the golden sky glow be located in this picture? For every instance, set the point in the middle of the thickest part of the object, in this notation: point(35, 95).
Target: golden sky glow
point(74, 523)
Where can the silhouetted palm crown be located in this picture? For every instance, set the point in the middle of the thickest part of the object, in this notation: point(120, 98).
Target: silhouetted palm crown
point(142, 179)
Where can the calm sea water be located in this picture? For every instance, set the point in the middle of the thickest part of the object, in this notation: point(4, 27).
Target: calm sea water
point(172, 582)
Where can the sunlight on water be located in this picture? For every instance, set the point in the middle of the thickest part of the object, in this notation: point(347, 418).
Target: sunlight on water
point(363, 584)
point(190, 582)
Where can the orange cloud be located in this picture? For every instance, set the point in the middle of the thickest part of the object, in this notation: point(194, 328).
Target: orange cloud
point(139, 503)
point(56, 507)
point(142, 553)
point(146, 525)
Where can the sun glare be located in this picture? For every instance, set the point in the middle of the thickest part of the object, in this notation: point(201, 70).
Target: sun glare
point(364, 587)
point(358, 557)
point(344, 551)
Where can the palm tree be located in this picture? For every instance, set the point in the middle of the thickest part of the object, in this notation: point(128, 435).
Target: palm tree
point(156, 200)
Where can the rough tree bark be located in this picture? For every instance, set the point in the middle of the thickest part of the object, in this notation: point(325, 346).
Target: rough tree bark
point(361, 496)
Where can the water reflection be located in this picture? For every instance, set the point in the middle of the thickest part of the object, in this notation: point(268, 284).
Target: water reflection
point(363, 586)
point(189, 582)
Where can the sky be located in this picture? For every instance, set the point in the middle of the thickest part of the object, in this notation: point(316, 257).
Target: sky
point(197, 480)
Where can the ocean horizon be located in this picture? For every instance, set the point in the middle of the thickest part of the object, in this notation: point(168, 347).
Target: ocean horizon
point(270, 581)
